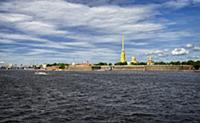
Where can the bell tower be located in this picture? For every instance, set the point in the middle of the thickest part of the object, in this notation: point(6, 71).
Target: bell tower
point(123, 54)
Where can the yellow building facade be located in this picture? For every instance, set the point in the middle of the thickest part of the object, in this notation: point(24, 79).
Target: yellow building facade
point(150, 61)
point(134, 60)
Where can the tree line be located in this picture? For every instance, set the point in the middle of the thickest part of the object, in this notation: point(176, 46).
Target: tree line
point(195, 64)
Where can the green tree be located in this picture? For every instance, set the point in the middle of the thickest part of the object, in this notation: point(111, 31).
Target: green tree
point(120, 63)
point(160, 63)
point(62, 66)
point(175, 62)
point(101, 63)
point(196, 65)
point(134, 63)
point(142, 63)
point(110, 64)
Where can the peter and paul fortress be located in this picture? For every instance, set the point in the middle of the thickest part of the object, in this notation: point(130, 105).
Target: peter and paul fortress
point(133, 65)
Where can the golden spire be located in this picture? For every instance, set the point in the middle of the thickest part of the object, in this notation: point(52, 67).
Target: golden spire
point(123, 55)
point(122, 41)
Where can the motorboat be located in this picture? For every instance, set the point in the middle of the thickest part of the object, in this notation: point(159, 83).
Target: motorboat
point(40, 73)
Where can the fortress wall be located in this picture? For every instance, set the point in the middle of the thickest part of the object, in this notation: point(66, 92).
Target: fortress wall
point(168, 67)
point(186, 67)
point(84, 67)
point(154, 67)
point(129, 67)
point(87, 67)
point(162, 68)
point(105, 68)
point(52, 68)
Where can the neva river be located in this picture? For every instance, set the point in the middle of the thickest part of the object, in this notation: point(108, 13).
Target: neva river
point(90, 97)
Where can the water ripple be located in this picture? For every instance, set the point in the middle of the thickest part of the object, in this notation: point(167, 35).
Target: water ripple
point(99, 97)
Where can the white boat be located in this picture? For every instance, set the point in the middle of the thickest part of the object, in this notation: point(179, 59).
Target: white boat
point(40, 73)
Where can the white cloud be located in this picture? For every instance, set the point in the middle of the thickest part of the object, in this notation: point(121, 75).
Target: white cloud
point(189, 45)
point(78, 44)
point(40, 51)
point(138, 43)
point(166, 50)
point(40, 28)
point(2, 62)
point(7, 41)
point(177, 3)
point(153, 52)
point(179, 51)
point(19, 37)
point(42, 18)
point(196, 1)
point(196, 48)
point(48, 17)
point(196, 57)
point(13, 17)
point(156, 52)
point(59, 14)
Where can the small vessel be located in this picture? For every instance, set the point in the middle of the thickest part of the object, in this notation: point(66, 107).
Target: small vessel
point(40, 73)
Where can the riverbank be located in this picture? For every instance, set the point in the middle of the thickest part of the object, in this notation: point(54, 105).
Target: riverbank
point(146, 68)
point(188, 68)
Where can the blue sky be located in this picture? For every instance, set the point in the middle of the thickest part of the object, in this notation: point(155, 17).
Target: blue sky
point(48, 31)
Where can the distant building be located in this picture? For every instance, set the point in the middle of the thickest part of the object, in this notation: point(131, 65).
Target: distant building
point(134, 60)
point(43, 66)
point(150, 61)
point(37, 65)
point(73, 63)
point(123, 54)
point(9, 66)
point(80, 67)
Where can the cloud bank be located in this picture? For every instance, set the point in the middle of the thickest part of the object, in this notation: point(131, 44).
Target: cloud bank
point(179, 51)
point(58, 30)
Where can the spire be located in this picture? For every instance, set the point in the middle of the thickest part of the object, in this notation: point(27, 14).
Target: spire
point(122, 41)
point(123, 55)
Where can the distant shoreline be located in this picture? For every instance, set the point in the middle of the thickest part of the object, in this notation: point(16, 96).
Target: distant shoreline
point(160, 68)
point(192, 71)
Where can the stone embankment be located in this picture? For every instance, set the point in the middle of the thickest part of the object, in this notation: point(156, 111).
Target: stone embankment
point(149, 68)
point(89, 67)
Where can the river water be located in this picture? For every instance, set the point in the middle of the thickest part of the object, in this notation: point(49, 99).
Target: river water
point(93, 97)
